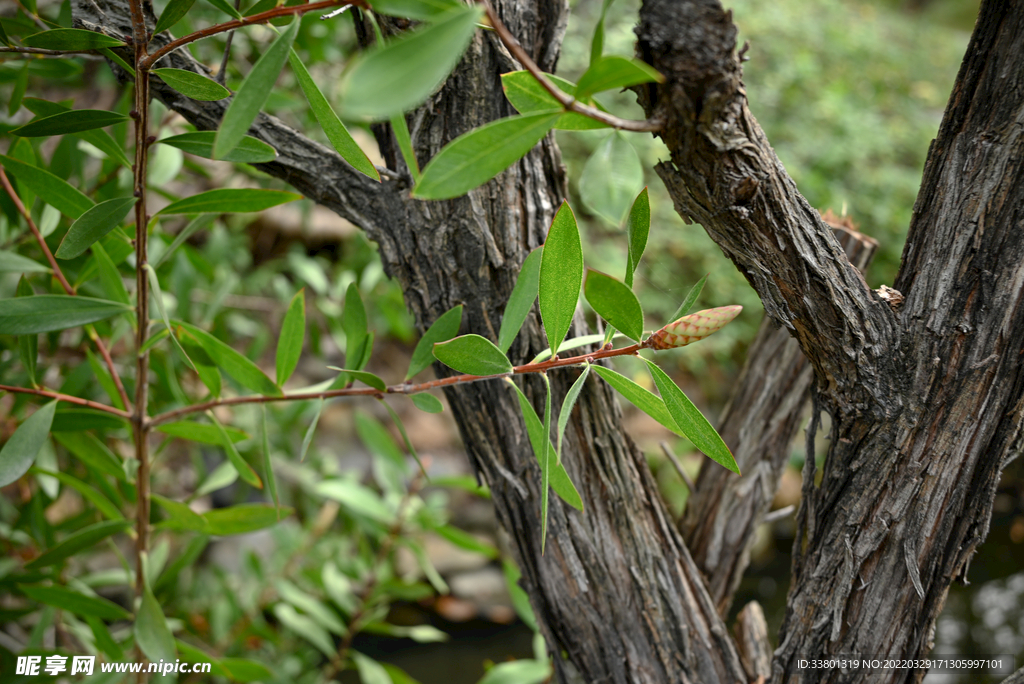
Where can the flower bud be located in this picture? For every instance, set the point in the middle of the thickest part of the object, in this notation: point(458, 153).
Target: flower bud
point(693, 327)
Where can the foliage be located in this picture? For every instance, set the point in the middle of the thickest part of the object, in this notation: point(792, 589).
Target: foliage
point(132, 353)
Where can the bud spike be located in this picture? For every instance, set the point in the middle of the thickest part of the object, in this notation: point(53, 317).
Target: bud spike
point(692, 328)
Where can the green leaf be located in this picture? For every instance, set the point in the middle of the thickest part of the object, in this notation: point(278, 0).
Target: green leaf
point(335, 131)
point(443, 329)
point(28, 345)
point(366, 378)
point(70, 121)
point(15, 263)
point(71, 39)
point(310, 605)
point(85, 538)
point(691, 298)
point(105, 380)
point(643, 399)
point(193, 85)
point(244, 518)
point(230, 200)
point(561, 274)
point(243, 670)
point(464, 540)
point(174, 12)
point(615, 303)
point(226, 8)
point(21, 448)
point(691, 421)
point(610, 73)
point(185, 233)
point(46, 313)
point(524, 294)
point(53, 190)
point(353, 322)
point(245, 471)
point(376, 438)
point(473, 355)
point(110, 277)
point(73, 601)
point(520, 601)
point(152, 635)
point(253, 93)
point(72, 420)
point(399, 76)
point(104, 641)
point(611, 178)
point(98, 138)
point(476, 157)
point(180, 516)
point(18, 93)
point(93, 225)
point(201, 362)
point(420, 10)
point(405, 437)
point(518, 672)
point(102, 503)
point(305, 627)
point(221, 476)
point(638, 227)
point(91, 451)
point(567, 405)
point(400, 127)
point(268, 470)
point(158, 297)
point(527, 95)
point(427, 402)
point(245, 372)
point(356, 498)
point(560, 480)
point(289, 342)
point(3, 36)
point(597, 42)
point(370, 671)
point(200, 143)
point(307, 439)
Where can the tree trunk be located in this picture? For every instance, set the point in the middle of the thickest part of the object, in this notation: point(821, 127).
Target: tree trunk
point(925, 397)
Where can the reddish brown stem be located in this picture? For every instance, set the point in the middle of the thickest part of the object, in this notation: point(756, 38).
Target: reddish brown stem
point(66, 397)
point(567, 101)
point(148, 62)
point(59, 275)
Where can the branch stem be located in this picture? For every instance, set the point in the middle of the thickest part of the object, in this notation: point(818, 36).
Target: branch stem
point(66, 397)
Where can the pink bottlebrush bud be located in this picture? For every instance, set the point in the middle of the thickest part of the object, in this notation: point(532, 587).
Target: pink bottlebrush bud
point(692, 328)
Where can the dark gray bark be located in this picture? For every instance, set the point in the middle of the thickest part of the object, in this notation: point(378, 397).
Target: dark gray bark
point(925, 399)
point(615, 589)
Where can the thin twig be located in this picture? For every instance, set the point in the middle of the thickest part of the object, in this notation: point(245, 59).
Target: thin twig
point(679, 467)
point(65, 397)
point(59, 275)
point(44, 51)
point(567, 101)
point(260, 18)
point(222, 72)
point(404, 388)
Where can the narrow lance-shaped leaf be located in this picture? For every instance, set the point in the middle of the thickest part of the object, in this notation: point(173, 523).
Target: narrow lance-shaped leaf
point(93, 225)
point(53, 190)
point(476, 157)
point(443, 329)
point(567, 405)
point(193, 85)
point(334, 129)
point(243, 370)
point(396, 77)
point(473, 355)
point(46, 313)
point(420, 10)
point(307, 439)
point(545, 463)
point(174, 12)
point(691, 421)
point(244, 518)
point(400, 127)
point(527, 95)
point(357, 338)
point(245, 470)
point(10, 262)
point(21, 448)
point(611, 73)
point(405, 436)
point(691, 298)
point(110, 277)
point(158, 297)
point(18, 93)
point(225, 7)
point(102, 503)
point(611, 178)
point(638, 227)
point(268, 469)
point(230, 200)
point(615, 303)
point(152, 636)
point(597, 42)
point(71, 39)
point(96, 137)
point(75, 602)
point(201, 432)
point(85, 538)
point(561, 274)
point(70, 121)
point(293, 333)
point(643, 399)
point(200, 143)
point(28, 345)
point(253, 93)
point(524, 294)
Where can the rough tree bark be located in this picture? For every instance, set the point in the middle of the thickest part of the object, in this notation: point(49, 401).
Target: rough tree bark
point(925, 398)
point(925, 401)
